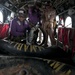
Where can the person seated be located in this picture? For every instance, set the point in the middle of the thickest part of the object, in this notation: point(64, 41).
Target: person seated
point(18, 26)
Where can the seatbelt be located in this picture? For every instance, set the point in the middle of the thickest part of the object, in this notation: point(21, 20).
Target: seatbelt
point(71, 38)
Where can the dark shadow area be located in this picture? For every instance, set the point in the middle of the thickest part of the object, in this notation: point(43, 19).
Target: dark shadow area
point(53, 52)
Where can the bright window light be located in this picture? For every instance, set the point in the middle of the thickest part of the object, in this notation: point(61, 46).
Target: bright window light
point(68, 22)
point(62, 22)
point(12, 14)
point(1, 17)
point(57, 19)
point(8, 18)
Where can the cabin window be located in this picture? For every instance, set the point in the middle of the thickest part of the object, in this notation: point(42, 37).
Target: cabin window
point(62, 22)
point(8, 17)
point(68, 22)
point(1, 17)
point(57, 19)
point(12, 14)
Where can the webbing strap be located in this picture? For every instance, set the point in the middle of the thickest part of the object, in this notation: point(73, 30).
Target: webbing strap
point(71, 36)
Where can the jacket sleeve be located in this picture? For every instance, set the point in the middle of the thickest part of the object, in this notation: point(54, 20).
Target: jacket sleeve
point(30, 11)
point(14, 31)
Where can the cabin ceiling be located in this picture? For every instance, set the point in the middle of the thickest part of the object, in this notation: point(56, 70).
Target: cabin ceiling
point(59, 5)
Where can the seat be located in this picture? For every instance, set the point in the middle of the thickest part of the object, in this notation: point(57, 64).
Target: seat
point(4, 31)
point(72, 40)
point(66, 44)
point(1, 26)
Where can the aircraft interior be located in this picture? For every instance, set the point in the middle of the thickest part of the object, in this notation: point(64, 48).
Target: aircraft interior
point(29, 55)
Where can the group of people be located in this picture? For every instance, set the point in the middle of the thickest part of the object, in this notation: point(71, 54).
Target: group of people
point(35, 14)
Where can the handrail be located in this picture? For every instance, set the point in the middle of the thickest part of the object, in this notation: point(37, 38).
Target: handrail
point(66, 11)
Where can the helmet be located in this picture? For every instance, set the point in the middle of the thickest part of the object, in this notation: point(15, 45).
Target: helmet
point(38, 4)
point(21, 13)
point(48, 3)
